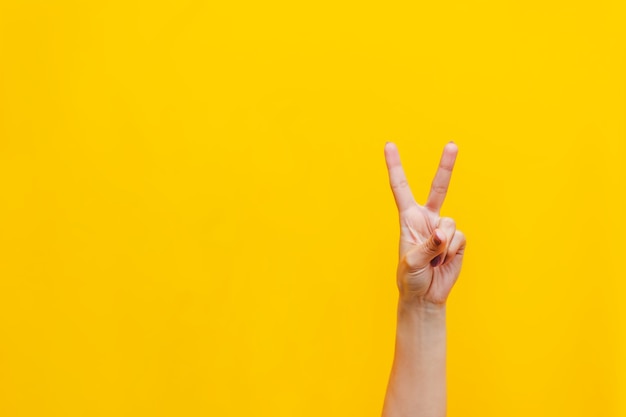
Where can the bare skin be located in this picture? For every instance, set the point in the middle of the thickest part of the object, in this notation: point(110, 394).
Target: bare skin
point(430, 256)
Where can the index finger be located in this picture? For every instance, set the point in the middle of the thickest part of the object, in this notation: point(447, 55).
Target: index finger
point(441, 182)
point(399, 185)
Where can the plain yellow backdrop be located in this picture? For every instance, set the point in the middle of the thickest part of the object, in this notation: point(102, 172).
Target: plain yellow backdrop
point(195, 217)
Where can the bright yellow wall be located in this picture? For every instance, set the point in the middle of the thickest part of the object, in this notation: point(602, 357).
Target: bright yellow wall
point(195, 216)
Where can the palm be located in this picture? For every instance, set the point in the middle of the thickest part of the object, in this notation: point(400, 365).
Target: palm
point(418, 223)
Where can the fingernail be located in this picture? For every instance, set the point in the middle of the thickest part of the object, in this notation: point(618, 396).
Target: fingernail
point(435, 261)
point(451, 141)
point(437, 237)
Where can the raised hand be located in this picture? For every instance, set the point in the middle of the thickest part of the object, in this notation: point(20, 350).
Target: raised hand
point(431, 249)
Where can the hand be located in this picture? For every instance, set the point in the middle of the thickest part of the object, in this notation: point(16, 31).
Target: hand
point(431, 249)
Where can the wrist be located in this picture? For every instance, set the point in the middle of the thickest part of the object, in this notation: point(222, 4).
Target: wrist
point(423, 323)
point(421, 309)
point(420, 305)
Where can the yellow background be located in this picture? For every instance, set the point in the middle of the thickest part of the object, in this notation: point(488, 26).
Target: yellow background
point(195, 216)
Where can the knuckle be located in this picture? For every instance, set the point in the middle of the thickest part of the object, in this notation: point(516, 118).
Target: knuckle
point(449, 258)
point(431, 247)
point(409, 262)
point(448, 222)
point(439, 188)
point(400, 184)
point(413, 260)
point(445, 167)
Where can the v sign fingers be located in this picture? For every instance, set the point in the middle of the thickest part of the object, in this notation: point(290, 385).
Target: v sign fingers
point(399, 184)
point(439, 187)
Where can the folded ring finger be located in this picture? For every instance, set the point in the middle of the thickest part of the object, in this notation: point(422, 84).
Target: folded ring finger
point(448, 226)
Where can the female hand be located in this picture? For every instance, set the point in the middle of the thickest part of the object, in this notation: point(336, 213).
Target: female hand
point(431, 249)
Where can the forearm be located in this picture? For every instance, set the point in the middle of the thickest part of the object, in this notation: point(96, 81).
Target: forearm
point(417, 383)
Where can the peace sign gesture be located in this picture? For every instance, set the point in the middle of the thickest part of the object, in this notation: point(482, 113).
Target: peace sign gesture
point(431, 249)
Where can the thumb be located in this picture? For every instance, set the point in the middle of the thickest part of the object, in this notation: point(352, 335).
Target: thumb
point(422, 255)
